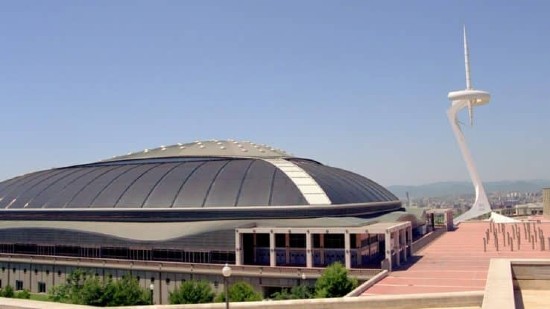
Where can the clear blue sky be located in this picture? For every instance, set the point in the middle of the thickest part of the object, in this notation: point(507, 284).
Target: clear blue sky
point(360, 85)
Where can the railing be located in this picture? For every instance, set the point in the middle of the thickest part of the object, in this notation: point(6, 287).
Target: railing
point(242, 270)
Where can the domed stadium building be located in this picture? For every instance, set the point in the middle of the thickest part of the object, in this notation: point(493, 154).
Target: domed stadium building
point(196, 205)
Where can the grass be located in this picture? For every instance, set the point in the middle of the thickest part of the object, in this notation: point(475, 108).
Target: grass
point(40, 297)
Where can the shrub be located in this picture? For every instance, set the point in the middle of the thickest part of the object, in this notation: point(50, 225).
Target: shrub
point(296, 292)
point(8, 291)
point(25, 294)
point(85, 289)
point(334, 282)
point(240, 291)
point(192, 292)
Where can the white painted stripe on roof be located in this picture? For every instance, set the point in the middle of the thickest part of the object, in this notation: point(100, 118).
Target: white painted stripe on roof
point(310, 189)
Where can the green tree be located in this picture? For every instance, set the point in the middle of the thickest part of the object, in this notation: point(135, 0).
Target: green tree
point(296, 292)
point(334, 282)
point(92, 292)
point(59, 293)
point(85, 289)
point(192, 292)
point(127, 292)
point(71, 290)
point(240, 291)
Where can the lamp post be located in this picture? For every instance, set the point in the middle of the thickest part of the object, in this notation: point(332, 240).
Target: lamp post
point(303, 278)
point(151, 289)
point(226, 272)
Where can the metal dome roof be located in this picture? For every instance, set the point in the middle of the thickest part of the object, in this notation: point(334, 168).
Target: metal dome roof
point(192, 177)
point(210, 148)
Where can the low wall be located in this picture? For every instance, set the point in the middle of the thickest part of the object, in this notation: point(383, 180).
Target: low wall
point(367, 284)
point(426, 239)
point(436, 300)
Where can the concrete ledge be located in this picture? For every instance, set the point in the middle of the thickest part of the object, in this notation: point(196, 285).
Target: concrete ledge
point(499, 289)
point(435, 300)
point(367, 284)
point(13, 303)
point(414, 301)
point(426, 239)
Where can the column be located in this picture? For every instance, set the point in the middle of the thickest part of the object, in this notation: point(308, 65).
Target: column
point(388, 246)
point(272, 256)
point(322, 248)
point(409, 241)
point(287, 248)
point(347, 251)
point(398, 253)
point(238, 248)
point(254, 246)
point(403, 244)
point(359, 249)
point(309, 251)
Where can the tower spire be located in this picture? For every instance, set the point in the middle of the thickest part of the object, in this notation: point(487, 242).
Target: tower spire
point(469, 98)
point(467, 61)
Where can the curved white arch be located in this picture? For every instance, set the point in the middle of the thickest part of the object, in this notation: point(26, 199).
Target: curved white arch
point(310, 189)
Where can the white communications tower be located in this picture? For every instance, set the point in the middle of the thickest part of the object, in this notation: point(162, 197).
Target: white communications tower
point(468, 98)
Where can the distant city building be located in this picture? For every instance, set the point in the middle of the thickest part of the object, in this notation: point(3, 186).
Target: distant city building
point(546, 202)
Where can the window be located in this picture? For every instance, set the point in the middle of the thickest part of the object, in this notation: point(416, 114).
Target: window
point(41, 287)
point(18, 285)
point(0, 283)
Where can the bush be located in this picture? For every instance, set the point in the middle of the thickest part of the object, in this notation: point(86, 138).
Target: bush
point(126, 292)
point(334, 282)
point(240, 291)
point(25, 294)
point(8, 291)
point(296, 292)
point(192, 292)
point(92, 293)
point(59, 293)
point(85, 289)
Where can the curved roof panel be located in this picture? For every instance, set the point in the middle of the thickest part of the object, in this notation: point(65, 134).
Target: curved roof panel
point(345, 187)
point(226, 174)
point(183, 183)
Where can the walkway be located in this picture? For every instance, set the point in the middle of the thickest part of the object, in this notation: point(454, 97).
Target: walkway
point(456, 261)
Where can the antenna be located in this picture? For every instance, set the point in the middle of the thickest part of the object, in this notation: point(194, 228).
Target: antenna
point(467, 61)
point(468, 77)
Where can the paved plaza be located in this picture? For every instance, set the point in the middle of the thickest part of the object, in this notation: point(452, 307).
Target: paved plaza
point(457, 262)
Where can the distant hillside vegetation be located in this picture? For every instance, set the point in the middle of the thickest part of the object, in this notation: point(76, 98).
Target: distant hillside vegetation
point(440, 189)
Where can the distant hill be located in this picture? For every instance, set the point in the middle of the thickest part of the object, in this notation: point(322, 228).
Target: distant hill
point(449, 188)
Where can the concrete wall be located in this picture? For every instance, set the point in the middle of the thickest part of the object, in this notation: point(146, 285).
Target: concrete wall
point(164, 281)
point(426, 239)
point(435, 300)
